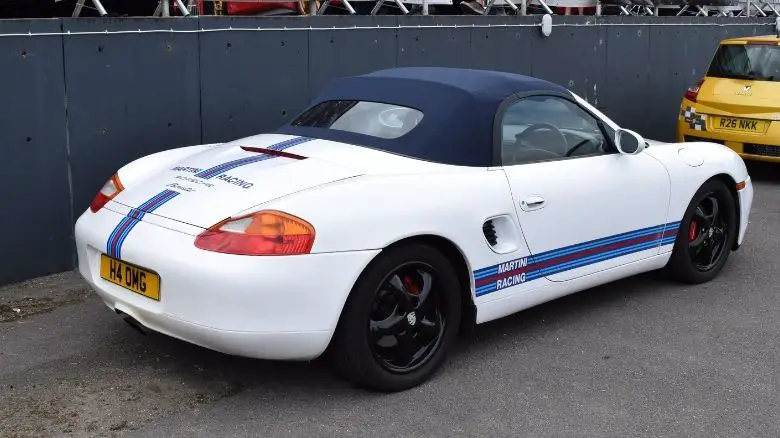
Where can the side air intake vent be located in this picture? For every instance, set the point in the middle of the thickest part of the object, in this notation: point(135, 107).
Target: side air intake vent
point(490, 232)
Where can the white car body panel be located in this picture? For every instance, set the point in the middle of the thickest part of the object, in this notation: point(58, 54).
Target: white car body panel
point(362, 200)
point(716, 160)
point(600, 197)
point(209, 297)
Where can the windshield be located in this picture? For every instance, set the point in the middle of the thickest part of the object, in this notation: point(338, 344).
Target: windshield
point(751, 61)
point(369, 118)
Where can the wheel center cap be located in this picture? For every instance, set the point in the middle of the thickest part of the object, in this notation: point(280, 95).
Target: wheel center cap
point(709, 233)
point(411, 318)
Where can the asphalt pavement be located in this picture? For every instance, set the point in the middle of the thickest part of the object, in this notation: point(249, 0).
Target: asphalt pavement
point(639, 357)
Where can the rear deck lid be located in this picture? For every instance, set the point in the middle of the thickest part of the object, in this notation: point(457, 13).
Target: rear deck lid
point(213, 185)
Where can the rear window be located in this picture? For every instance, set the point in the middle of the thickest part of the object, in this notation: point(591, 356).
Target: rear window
point(751, 61)
point(376, 119)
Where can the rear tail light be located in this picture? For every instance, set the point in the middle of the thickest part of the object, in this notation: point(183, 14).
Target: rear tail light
point(266, 232)
point(692, 93)
point(110, 189)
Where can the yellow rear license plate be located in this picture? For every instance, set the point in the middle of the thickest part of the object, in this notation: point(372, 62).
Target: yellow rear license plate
point(741, 125)
point(130, 277)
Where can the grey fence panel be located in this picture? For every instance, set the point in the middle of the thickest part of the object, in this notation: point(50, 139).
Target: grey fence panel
point(574, 57)
point(503, 48)
point(667, 81)
point(332, 53)
point(35, 225)
point(627, 75)
point(746, 30)
point(444, 46)
point(701, 43)
point(129, 95)
point(251, 81)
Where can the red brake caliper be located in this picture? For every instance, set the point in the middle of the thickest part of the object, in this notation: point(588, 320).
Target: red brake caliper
point(692, 231)
point(411, 286)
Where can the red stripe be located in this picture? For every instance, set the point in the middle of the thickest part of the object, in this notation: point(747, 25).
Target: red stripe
point(569, 257)
point(115, 240)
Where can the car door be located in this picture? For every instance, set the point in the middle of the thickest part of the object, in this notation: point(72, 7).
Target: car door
point(583, 207)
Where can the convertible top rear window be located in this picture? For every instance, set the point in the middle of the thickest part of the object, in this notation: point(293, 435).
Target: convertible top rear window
point(376, 119)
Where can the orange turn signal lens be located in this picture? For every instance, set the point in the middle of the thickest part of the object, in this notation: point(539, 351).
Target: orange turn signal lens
point(266, 232)
point(110, 189)
point(741, 185)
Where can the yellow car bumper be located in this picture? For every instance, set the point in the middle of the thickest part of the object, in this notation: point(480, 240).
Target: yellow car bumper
point(696, 122)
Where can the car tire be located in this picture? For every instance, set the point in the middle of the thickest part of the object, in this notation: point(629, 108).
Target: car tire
point(375, 305)
point(685, 265)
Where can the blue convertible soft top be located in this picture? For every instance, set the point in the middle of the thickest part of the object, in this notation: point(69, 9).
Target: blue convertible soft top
point(459, 107)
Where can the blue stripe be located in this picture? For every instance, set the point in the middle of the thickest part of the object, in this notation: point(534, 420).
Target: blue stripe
point(596, 243)
point(136, 214)
point(123, 236)
point(153, 199)
point(493, 270)
point(490, 273)
point(580, 261)
point(224, 167)
point(290, 143)
point(109, 247)
point(133, 217)
point(160, 201)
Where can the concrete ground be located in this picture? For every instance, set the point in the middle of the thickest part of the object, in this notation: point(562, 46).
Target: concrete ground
point(641, 357)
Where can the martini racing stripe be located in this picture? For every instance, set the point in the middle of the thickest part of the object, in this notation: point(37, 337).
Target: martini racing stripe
point(211, 172)
point(666, 229)
point(117, 237)
point(511, 273)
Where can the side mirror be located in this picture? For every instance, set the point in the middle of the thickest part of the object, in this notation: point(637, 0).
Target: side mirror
point(629, 142)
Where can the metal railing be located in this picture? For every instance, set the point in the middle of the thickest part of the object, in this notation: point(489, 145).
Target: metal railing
point(724, 8)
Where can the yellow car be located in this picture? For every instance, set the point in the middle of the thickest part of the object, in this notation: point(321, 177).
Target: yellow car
point(738, 101)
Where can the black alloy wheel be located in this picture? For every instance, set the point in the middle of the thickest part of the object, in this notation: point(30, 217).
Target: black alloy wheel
point(400, 319)
point(407, 319)
point(706, 234)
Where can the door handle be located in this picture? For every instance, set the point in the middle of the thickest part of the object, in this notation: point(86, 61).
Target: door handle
point(532, 203)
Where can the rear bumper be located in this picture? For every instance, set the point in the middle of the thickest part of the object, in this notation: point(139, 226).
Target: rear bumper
point(769, 153)
point(697, 126)
point(262, 307)
point(273, 345)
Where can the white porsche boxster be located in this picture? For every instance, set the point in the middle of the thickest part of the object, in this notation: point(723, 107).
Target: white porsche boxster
point(399, 209)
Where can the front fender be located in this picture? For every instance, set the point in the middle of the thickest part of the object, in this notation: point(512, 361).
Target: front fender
point(703, 162)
